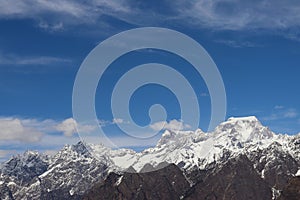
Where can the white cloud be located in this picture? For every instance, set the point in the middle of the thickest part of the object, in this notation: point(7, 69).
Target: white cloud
point(14, 130)
point(103, 123)
point(31, 8)
point(18, 134)
point(10, 59)
point(117, 121)
point(113, 121)
point(171, 125)
point(53, 15)
point(270, 117)
point(5, 153)
point(278, 107)
point(32, 130)
point(212, 14)
point(281, 113)
point(69, 127)
point(59, 26)
point(45, 126)
point(238, 44)
point(50, 152)
point(291, 113)
point(241, 15)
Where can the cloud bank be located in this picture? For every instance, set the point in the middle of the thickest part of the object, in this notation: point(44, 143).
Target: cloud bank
point(14, 129)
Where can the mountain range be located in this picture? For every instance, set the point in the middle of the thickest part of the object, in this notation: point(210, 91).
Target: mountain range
point(240, 159)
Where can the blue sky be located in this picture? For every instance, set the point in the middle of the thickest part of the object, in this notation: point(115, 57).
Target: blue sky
point(256, 47)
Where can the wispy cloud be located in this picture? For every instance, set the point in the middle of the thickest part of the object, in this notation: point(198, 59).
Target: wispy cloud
point(104, 123)
point(240, 15)
point(277, 107)
point(291, 113)
point(54, 27)
point(11, 59)
point(280, 113)
point(238, 44)
point(211, 14)
point(18, 9)
point(119, 121)
point(54, 15)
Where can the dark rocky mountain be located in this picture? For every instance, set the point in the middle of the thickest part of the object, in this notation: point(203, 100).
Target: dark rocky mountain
point(166, 183)
point(237, 179)
point(240, 159)
point(292, 190)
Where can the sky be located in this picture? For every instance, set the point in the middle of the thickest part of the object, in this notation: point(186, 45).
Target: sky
point(255, 45)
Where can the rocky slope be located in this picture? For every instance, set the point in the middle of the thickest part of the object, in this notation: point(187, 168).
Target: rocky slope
point(292, 190)
point(240, 159)
point(166, 183)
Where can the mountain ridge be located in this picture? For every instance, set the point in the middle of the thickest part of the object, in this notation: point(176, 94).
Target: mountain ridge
point(275, 159)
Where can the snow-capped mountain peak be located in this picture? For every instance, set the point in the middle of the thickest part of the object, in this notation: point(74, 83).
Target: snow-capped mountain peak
point(197, 148)
point(170, 136)
point(244, 129)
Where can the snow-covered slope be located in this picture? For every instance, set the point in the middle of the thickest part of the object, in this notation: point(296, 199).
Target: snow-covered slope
point(75, 168)
point(197, 148)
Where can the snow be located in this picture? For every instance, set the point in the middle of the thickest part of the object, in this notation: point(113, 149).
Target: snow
point(35, 184)
point(119, 181)
point(275, 193)
point(125, 160)
point(263, 174)
point(298, 173)
point(11, 183)
point(49, 171)
point(238, 135)
point(248, 118)
point(71, 192)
